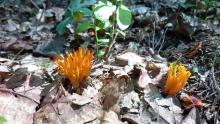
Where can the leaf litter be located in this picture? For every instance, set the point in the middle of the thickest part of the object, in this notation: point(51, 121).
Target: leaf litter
point(130, 89)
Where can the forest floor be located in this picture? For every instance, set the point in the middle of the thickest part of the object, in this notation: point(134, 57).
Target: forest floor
point(129, 88)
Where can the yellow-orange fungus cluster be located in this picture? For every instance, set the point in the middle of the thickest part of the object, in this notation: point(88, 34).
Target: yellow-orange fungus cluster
point(76, 66)
point(177, 79)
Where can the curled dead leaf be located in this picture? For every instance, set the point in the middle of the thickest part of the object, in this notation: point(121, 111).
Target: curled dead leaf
point(195, 51)
point(191, 101)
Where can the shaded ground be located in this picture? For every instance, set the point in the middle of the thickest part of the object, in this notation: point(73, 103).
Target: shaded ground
point(130, 89)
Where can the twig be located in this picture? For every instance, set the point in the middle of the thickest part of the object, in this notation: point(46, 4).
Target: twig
point(154, 36)
point(161, 37)
point(162, 40)
point(216, 121)
point(111, 45)
point(19, 52)
point(35, 4)
point(41, 16)
point(12, 92)
point(216, 85)
point(97, 65)
point(57, 113)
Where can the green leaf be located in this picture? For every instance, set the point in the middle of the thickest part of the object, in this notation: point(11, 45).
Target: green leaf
point(123, 17)
point(108, 3)
point(217, 62)
point(68, 14)
point(100, 53)
point(83, 26)
point(62, 25)
point(103, 42)
point(100, 25)
point(88, 2)
point(74, 5)
point(104, 12)
point(101, 4)
point(194, 69)
point(121, 32)
point(103, 25)
point(2, 120)
point(86, 11)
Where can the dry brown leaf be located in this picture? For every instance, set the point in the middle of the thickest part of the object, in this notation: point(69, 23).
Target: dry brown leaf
point(192, 118)
point(16, 108)
point(195, 51)
point(191, 101)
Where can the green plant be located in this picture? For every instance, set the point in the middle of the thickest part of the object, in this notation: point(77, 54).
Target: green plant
point(2, 120)
point(108, 17)
point(204, 8)
point(76, 10)
point(208, 3)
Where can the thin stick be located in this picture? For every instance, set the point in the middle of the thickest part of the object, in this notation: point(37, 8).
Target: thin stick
point(35, 4)
point(12, 92)
point(153, 36)
point(113, 34)
point(163, 40)
point(216, 86)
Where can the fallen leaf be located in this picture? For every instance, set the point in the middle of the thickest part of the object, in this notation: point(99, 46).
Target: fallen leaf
point(11, 26)
point(65, 113)
point(78, 99)
point(151, 66)
point(59, 12)
point(16, 108)
point(15, 44)
point(144, 79)
point(128, 58)
point(6, 68)
point(17, 79)
point(191, 101)
point(184, 25)
point(164, 108)
point(129, 101)
point(4, 72)
point(195, 51)
point(192, 118)
point(50, 48)
point(111, 117)
point(32, 87)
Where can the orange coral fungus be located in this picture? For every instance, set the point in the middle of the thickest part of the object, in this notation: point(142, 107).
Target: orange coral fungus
point(76, 66)
point(177, 78)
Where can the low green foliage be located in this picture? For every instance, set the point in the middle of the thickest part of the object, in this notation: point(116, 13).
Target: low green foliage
point(2, 120)
point(207, 7)
point(217, 62)
point(208, 3)
point(194, 69)
point(76, 10)
point(109, 17)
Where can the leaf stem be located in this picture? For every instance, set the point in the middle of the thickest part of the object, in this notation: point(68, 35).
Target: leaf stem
point(96, 35)
point(112, 32)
